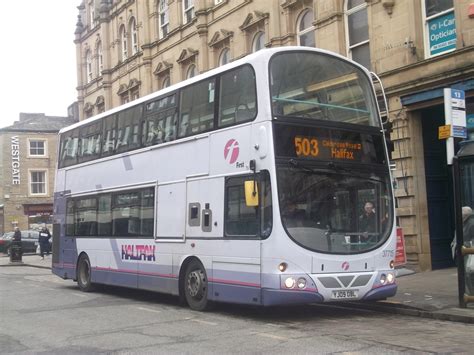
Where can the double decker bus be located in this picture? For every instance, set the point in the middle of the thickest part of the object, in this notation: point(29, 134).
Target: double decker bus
point(264, 182)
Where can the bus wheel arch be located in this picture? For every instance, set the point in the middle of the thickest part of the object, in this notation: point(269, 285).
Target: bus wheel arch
point(193, 284)
point(84, 273)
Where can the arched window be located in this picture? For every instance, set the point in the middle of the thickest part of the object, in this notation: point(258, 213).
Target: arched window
point(133, 35)
point(357, 27)
point(258, 41)
point(166, 82)
point(224, 58)
point(191, 72)
point(163, 18)
point(306, 29)
point(123, 43)
point(88, 66)
point(100, 59)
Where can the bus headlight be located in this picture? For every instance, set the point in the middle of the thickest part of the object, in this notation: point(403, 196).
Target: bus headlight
point(301, 282)
point(383, 279)
point(290, 282)
point(390, 278)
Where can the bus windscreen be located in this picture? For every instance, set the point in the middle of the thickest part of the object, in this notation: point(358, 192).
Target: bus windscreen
point(316, 86)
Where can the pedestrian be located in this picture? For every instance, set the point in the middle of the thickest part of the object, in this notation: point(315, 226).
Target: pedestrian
point(16, 248)
point(17, 235)
point(44, 237)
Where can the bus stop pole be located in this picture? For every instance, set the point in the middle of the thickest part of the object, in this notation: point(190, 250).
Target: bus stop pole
point(459, 232)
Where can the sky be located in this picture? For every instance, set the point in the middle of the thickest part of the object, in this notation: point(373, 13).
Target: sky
point(38, 58)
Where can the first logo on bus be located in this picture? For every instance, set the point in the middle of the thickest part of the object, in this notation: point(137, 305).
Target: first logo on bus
point(231, 151)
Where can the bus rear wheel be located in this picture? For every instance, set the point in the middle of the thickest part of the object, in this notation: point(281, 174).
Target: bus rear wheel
point(84, 274)
point(196, 286)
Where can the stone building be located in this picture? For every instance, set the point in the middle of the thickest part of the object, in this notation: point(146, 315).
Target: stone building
point(28, 158)
point(129, 48)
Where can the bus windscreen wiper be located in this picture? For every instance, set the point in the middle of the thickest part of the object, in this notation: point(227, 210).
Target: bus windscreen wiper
point(332, 168)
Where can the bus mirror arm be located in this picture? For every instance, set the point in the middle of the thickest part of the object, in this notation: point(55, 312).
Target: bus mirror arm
point(251, 188)
point(253, 167)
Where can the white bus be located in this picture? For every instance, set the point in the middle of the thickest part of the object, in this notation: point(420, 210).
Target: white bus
point(265, 182)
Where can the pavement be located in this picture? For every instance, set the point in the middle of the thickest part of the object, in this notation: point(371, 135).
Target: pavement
point(430, 294)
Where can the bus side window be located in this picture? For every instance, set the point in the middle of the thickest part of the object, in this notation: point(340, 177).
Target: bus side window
point(128, 124)
point(89, 147)
point(86, 217)
point(69, 148)
point(240, 220)
point(108, 143)
point(197, 108)
point(237, 97)
point(159, 124)
point(70, 217)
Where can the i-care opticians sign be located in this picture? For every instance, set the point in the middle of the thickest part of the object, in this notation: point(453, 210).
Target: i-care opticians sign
point(15, 149)
point(442, 32)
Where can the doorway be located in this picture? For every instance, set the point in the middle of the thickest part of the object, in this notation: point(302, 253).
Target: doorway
point(439, 189)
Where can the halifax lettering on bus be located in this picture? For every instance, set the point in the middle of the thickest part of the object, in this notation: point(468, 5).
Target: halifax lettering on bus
point(138, 252)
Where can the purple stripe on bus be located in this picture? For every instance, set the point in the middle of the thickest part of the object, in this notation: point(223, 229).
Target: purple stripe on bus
point(381, 293)
point(64, 265)
point(232, 282)
point(128, 271)
point(278, 297)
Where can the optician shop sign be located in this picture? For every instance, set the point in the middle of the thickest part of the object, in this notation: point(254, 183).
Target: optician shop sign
point(442, 33)
point(15, 151)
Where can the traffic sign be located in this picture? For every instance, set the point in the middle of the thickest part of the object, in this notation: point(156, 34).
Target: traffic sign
point(444, 131)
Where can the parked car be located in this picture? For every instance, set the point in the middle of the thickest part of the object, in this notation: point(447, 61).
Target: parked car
point(29, 241)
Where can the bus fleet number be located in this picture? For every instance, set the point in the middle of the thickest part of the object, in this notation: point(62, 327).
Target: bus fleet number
point(306, 146)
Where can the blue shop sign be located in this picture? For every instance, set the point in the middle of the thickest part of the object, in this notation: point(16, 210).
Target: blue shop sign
point(442, 32)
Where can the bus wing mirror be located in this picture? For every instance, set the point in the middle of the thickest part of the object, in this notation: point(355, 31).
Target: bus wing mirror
point(251, 193)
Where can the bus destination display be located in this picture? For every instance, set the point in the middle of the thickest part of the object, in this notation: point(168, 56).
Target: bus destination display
point(311, 147)
point(328, 144)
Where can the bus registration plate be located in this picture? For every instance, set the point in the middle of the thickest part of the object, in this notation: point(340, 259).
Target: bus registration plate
point(345, 294)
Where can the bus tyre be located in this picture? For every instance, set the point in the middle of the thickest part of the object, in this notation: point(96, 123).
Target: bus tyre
point(196, 286)
point(84, 274)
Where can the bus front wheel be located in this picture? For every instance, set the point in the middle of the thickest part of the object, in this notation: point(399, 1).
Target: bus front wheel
point(196, 286)
point(84, 274)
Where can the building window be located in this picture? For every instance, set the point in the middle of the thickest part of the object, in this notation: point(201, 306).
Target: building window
point(134, 93)
point(188, 11)
point(163, 18)
point(37, 148)
point(357, 26)
point(124, 98)
point(217, 2)
point(92, 13)
point(38, 182)
point(166, 82)
point(440, 27)
point(258, 41)
point(192, 71)
point(123, 43)
point(224, 58)
point(88, 66)
point(306, 29)
point(100, 59)
point(134, 35)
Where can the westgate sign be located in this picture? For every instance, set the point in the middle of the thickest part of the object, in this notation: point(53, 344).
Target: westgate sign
point(15, 149)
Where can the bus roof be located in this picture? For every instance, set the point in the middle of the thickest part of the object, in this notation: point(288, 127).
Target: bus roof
point(263, 54)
